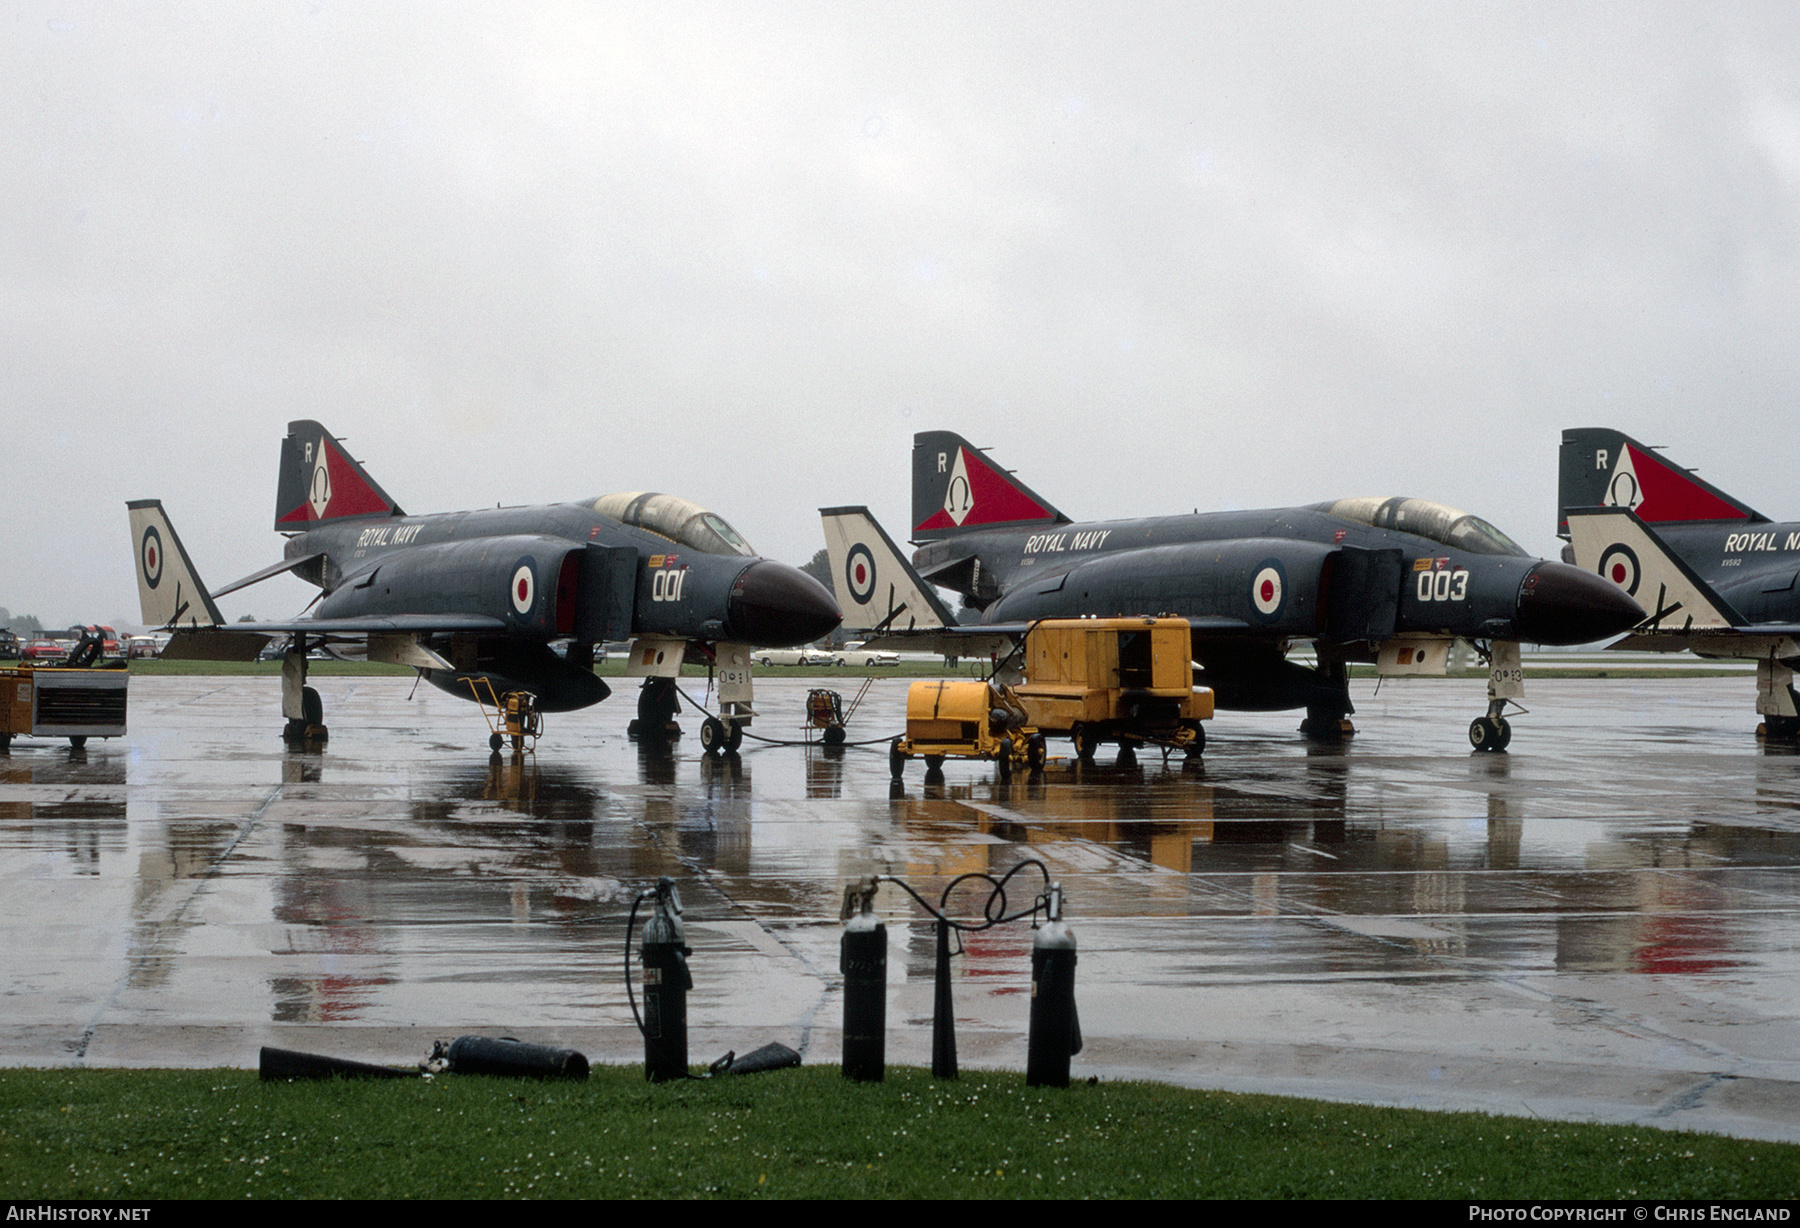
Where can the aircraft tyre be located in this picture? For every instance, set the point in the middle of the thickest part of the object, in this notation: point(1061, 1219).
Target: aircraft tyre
point(1005, 759)
point(896, 760)
point(1489, 733)
point(734, 736)
point(1323, 725)
point(833, 735)
point(1780, 728)
point(312, 708)
point(657, 707)
point(1035, 752)
point(712, 736)
point(1084, 741)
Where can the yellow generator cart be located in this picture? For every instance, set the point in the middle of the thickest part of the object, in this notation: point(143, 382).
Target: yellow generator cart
point(1124, 680)
point(965, 720)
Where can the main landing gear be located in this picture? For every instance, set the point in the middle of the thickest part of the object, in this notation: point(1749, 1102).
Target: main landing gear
point(657, 706)
point(1777, 703)
point(304, 710)
point(1328, 716)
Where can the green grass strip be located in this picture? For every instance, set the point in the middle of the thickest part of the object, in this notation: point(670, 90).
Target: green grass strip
point(808, 1133)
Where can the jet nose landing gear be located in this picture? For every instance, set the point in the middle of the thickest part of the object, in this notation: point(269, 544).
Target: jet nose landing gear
point(1489, 733)
point(1506, 683)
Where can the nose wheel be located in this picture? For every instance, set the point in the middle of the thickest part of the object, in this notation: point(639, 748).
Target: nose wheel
point(1489, 733)
point(720, 737)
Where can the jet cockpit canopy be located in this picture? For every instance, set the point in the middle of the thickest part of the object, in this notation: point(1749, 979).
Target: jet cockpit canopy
point(680, 520)
point(1437, 521)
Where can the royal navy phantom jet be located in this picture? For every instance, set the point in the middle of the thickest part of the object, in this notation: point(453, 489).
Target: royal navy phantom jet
point(474, 600)
point(1718, 577)
point(1393, 581)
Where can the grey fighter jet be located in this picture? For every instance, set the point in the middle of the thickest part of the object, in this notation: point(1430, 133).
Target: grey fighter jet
point(474, 600)
point(1391, 581)
point(1718, 576)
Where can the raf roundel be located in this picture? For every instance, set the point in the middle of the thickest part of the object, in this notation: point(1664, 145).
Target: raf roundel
point(1268, 589)
point(152, 556)
point(1619, 564)
point(859, 573)
point(524, 588)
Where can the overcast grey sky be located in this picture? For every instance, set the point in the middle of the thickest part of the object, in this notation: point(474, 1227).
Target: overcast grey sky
point(1157, 256)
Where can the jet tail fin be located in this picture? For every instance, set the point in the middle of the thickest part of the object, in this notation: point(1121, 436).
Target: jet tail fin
point(956, 489)
point(169, 589)
point(1615, 543)
point(876, 587)
point(1601, 467)
point(321, 481)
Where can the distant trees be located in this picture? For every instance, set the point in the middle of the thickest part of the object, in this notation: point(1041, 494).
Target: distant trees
point(21, 624)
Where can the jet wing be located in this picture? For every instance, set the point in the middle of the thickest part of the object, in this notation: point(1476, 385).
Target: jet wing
point(244, 641)
point(972, 640)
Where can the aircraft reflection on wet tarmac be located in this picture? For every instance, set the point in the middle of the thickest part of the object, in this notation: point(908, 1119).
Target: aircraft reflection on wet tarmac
point(1601, 923)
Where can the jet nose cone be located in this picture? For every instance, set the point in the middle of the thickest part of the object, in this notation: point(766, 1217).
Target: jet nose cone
point(773, 605)
point(1560, 604)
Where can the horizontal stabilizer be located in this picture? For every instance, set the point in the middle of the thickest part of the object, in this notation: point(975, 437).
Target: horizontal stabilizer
point(275, 569)
point(213, 644)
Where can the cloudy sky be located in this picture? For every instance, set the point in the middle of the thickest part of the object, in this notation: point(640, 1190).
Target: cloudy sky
point(1156, 256)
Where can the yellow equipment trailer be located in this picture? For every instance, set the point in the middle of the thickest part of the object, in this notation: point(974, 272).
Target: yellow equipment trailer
point(1094, 680)
point(62, 702)
point(965, 720)
point(1124, 680)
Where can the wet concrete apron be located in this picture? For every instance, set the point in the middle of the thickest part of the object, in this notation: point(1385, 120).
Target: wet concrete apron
point(1599, 924)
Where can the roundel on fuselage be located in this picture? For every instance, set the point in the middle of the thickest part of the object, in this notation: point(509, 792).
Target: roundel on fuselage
point(859, 573)
point(1268, 589)
point(524, 586)
point(150, 556)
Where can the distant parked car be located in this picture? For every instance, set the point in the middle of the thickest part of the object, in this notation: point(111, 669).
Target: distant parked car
point(855, 654)
point(795, 656)
point(44, 650)
point(9, 645)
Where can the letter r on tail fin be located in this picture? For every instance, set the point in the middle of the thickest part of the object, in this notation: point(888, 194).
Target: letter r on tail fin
point(321, 481)
point(956, 489)
point(169, 591)
point(1600, 467)
point(876, 587)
